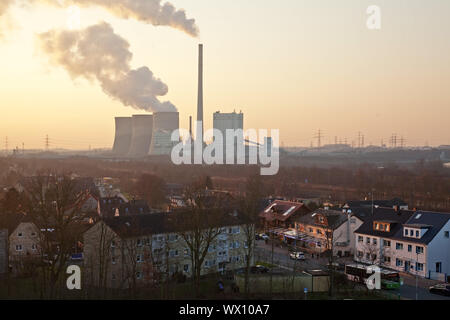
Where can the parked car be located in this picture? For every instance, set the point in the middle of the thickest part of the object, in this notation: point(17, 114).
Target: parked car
point(297, 255)
point(442, 289)
point(259, 269)
point(264, 236)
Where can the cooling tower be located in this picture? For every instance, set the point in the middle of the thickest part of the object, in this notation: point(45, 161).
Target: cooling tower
point(141, 135)
point(122, 138)
point(164, 123)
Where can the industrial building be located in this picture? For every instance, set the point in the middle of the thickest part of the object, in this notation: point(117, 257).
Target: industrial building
point(123, 135)
point(164, 124)
point(229, 121)
point(141, 136)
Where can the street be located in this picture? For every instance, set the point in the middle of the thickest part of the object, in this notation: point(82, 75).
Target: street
point(263, 253)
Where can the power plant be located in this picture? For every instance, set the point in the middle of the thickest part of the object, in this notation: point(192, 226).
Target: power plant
point(164, 124)
point(143, 135)
point(142, 129)
point(123, 135)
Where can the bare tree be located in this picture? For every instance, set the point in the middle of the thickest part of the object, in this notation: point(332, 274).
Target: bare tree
point(49, 197)
point(201, 228)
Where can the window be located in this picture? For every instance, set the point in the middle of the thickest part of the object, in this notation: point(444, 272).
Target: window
point(377, 226)
point(20, 234)
point(406, 232)
point(33, 234)
point(139, 258)
point(173, 253)
point(386, 243)
point(33, 247)
point(417, 233)
point(352, 221)
point(360, 239)
point(311, 230)
point(139, 242)
point(368, 256)
point(374, 241)
point(387, 260)
point(368, 240)
point(419, 250)
point(113, 260)
point(409, 248)
point(411, 233)
point(399, 246)
point(186, 268)
point(186, 252)
point(399, 263)
point(447, 234)
point(113, 244)
point(138, 275)
point(19, 247)
point(382, 227)
point(419, 266)
point(360, 254)
point(318, 231)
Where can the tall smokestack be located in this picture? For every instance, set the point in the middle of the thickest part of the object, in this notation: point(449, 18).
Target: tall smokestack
point(200, 90)
point(190, 127)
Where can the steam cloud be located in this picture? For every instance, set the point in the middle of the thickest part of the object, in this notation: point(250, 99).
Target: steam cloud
point(148, 11)
point(4, 6)
point(97, 53)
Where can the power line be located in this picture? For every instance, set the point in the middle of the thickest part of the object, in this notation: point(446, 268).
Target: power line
point(319, 137)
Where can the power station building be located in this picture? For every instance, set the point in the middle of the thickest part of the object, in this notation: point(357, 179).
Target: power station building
point(143, 135)
point(230, 121)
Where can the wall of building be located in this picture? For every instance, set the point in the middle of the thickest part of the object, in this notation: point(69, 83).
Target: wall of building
point(141, 261)
point(439, 251)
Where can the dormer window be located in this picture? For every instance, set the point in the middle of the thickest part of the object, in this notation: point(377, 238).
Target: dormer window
point(411, 233)
point(406, 232)
point(417, 233)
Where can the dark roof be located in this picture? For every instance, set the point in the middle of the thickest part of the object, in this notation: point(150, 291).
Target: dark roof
point(162, 222)
point(335, 218)
point(282, 210)
point(395, 218)
point(380, 203)
point(433, 221)
point(134, 207)
point(108, 205)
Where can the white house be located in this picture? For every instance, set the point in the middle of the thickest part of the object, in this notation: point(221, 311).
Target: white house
point(415, 242)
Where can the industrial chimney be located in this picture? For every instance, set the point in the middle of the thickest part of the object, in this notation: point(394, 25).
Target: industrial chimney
point(123, 134)
point(200, 92)
point(141, 136)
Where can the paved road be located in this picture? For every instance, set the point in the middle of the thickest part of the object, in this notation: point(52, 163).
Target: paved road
point(282, 260)
point(409, 292)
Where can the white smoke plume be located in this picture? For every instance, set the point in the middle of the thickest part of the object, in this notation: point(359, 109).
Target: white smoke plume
point(4, 6)
point(148, 11)
point(97, 53)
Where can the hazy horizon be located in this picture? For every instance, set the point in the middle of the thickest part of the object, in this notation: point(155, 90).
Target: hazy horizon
point(297, 66)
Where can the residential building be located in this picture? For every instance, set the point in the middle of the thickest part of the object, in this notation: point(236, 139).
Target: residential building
point(323, 230)
point(141, 250)
point(24, 246)
point(282, 214)
point(414, 242)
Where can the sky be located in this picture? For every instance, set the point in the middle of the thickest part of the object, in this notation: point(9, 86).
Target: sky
point(293, 65)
